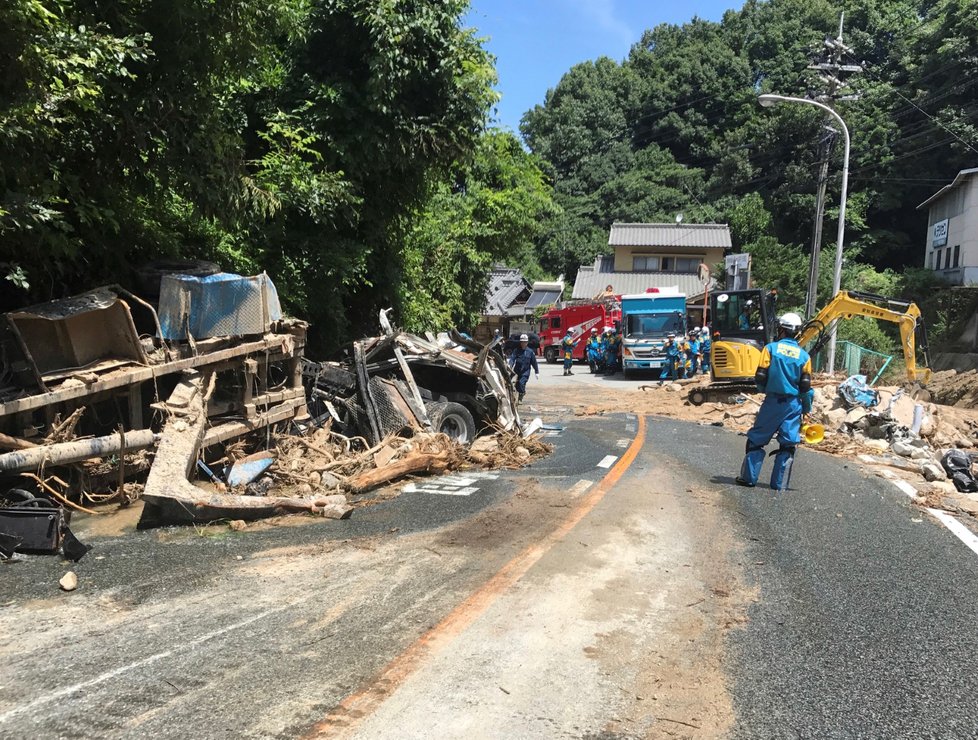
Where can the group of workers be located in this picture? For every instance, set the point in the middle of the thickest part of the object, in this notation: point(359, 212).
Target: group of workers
point(685, 356)
point(602, 351)
point(784, 375)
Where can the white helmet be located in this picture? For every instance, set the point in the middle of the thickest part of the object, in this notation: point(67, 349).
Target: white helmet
point(524, 338)
point(790, 322)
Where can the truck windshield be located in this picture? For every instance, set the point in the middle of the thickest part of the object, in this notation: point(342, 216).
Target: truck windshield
point(653, 325)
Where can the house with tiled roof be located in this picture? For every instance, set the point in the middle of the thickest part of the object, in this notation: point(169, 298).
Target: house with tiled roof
point(653, 256)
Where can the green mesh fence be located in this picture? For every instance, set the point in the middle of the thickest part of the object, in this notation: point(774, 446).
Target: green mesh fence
point(855, 360)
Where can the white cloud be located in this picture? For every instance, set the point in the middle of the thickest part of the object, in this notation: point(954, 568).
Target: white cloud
point(604, 14)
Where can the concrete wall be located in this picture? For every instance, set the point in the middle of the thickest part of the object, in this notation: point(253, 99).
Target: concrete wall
point(623, 255)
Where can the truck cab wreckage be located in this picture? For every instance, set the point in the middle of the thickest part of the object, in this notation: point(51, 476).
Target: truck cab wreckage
point(104, 388)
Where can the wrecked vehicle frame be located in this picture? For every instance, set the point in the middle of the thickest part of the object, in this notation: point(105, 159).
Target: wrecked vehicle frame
point(399, 383)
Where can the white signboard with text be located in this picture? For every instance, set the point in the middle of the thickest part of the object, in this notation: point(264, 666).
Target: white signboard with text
point(939, 235)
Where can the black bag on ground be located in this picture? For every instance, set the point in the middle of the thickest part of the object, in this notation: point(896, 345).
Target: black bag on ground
point(957, 465)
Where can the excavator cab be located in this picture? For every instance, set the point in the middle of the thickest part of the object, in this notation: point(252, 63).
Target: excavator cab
point(742, 322)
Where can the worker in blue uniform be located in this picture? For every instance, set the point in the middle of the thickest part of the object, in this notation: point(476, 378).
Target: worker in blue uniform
point(693, 355)
point(674, 358)
point(612, 352)
point(567, 346)
point(784, 374)
point(705, 346)
point(595, 352)
point(522, 361)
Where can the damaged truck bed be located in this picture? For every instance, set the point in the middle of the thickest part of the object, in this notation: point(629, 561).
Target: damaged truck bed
point(93, 395)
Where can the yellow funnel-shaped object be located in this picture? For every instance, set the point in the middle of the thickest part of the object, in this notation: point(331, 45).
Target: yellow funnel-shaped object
point(813, 433)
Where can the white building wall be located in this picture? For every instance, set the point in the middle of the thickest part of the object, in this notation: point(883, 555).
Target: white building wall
point(960, 207)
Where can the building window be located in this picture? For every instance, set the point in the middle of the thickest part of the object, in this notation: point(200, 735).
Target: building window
point(687, 264)
point(645, 264)
point(957, 255)
point(555, 322)
point(947, 258)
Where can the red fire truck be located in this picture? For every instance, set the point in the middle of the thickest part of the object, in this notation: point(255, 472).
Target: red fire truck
point(580, 317)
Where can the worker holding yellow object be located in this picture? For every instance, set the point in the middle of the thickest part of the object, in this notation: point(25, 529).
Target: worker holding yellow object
point(784, 374)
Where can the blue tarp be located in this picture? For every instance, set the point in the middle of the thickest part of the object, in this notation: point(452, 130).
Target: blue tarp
point(217, 305)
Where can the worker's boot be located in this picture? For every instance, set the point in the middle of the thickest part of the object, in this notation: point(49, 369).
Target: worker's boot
point(520, 398)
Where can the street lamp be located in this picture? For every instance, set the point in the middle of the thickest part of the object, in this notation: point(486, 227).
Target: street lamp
point(768, 101)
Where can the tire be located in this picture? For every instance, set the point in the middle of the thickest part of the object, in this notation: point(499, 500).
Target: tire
point(550, 355)
point(697, 397)
point(454, 420)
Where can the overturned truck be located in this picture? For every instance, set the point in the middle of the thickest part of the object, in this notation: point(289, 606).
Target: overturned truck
point(104, 388)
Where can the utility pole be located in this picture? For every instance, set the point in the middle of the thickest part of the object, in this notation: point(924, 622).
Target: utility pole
point(832, 74)
point(825, 152)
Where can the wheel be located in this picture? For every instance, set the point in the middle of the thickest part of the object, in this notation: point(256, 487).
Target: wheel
point(452, 420)
point(697, 397)
point(550, 355)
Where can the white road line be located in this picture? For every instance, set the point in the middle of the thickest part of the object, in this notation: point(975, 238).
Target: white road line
point(906, 488)
point(954, 526)
point(149, 660)
point(957, 529)
point(580, 487)
point(623, 443)
point(607, 461)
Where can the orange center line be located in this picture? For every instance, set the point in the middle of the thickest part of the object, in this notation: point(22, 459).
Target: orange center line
point(365, 700)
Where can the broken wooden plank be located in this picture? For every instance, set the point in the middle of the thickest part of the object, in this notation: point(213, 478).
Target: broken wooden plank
point(416, 462)
point(283, 343)
point(64, 453)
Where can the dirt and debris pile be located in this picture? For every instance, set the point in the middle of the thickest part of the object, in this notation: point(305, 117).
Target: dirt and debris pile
point(953, 388)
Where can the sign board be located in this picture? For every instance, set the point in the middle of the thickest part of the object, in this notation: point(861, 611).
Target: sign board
point(939, 234)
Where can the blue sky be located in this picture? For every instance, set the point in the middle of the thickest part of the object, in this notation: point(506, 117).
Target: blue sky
point(536, 41)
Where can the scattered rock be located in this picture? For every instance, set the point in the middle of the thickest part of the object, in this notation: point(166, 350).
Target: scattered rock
point(305, 488)
point(485, 445)
point(674, 387)
point(835, 418)
point(69, 581)
point(919, 453)
point(237, 525)
point(180, 425)
point(328, 480)
point(881, 445)
point(315, 479)
point(932, 471)
point(902, 448)
point(856, 415)
point(336, 511)
point(523, 453)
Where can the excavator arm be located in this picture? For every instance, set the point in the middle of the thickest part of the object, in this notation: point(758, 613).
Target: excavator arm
point(847, 304)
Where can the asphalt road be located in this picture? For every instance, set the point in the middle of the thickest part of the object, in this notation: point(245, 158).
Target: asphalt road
point(863, 623)
point(655, 600)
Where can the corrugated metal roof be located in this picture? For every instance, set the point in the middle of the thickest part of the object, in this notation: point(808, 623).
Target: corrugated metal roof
point(958, 179)
point(590, 283)
point(712, 236)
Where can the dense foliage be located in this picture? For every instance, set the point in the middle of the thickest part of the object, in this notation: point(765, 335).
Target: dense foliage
point(341, 145)
point(676, 127)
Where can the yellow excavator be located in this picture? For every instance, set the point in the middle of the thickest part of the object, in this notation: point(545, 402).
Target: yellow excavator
point(743, 321)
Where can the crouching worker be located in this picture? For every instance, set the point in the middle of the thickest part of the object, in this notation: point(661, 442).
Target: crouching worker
point(784, 374)
point(522, 361)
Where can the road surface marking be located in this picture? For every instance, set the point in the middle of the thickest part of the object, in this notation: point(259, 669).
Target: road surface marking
point(953, 525)
point(580, 487)
point(623, 443)
point(957, 529)
point(607, 461)
point(148, 660)
point(629, 427)
point(372, 693)
point(442, 490)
